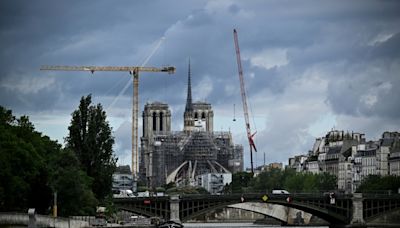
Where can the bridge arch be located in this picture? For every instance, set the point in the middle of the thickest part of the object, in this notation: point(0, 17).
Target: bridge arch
point(339, 213)
point(279, 212)
point(323, 213)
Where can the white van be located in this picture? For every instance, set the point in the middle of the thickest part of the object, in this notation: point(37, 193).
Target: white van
point(280, 191)
point(122, 193)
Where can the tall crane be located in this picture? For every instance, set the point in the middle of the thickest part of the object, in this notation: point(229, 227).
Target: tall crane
point(134, 71)
point(244, 101)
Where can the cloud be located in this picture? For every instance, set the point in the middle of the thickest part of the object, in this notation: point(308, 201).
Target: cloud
point(380, 38)
point(270, 58)
point(366, 90)
point(305, 67)
point(27, 84)
point(202, 89)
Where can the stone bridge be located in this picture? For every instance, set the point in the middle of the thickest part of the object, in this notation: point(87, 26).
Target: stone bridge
point(344, 210)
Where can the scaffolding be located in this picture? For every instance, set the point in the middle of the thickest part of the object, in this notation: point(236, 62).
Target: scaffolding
point(193, 154)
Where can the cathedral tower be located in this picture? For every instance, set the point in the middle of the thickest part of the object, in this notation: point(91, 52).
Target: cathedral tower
point(156, 118)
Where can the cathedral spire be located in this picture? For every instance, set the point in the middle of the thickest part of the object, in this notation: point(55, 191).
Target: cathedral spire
point(189, 105)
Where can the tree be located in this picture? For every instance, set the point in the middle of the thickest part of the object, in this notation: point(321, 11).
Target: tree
point(379, 184)
point(33, 167)
point(23, 172)
point(326, 181)
point(72, 185)
point(268, 180)
point(6, 116)
point(309, 182)
point(240, 182)
point(91, 140)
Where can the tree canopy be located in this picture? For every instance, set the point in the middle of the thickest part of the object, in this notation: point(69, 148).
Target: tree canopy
point(23, 171)
point(33, 167)
point(379, 184)
point(287, 179)
point(90, 138)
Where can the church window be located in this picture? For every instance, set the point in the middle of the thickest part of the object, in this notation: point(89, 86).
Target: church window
point(161, 121)
point(196, 115)
point(203, 115)
point(154, 121)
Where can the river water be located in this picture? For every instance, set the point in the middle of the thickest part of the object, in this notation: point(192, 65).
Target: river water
point(242, 225)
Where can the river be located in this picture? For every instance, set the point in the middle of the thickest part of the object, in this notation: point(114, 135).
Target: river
point(242, 225)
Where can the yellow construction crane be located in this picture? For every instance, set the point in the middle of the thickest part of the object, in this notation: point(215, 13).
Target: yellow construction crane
point(134, 71)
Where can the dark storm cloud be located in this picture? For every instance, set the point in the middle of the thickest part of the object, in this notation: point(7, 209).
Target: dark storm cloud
point(300, 62)
point(76, 33)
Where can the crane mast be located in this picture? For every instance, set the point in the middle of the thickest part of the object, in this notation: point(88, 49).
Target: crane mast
point(244, 101)
point(134, 71)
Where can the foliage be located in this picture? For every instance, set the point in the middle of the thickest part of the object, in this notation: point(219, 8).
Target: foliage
point(186, 190)
point(275, 178)
point(23, 172)
point(169, 185)
point(33, 167)
point(123, 169)
point(72, 185)
point(379, 184)
point(142, 188)
point(240, 183)
point(271, 179)
point(91, 140)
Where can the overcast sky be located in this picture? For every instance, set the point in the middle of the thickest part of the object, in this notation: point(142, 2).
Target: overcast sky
point(309, 66)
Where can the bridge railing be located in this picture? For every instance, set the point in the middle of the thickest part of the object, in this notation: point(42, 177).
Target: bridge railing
point(260, 194)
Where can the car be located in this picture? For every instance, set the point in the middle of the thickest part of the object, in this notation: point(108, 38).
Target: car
point(280, 192)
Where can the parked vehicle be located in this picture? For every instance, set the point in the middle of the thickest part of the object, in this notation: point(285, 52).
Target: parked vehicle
point(122, 193)
point(280, 192)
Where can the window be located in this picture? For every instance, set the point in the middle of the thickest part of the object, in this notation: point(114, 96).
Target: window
point(161, 121)
point(203, 115)
point(196, 115)
point(154, 121)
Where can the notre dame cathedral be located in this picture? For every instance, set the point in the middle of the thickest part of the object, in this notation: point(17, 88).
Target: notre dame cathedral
point(181, 156)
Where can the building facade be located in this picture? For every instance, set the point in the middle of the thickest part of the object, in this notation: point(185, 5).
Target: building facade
point(351, 158)
point(184, 156)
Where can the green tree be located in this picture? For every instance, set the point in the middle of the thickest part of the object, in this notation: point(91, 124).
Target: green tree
point(294, 182)
point(309, 182)
point(326, 181)
point(268, 180)
point(33, 167)
point(6, 117)
point(91, 139)
point(23, 171)
point(72, 185)
point(379, 184)
point(186, 190)
point(240, 182)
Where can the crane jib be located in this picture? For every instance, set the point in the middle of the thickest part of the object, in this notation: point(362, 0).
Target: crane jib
point(168, 69)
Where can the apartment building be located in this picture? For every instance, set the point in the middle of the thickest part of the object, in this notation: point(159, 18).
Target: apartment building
point(351, 158)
